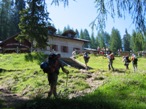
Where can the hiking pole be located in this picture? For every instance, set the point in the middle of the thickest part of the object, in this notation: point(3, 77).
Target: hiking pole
point(66, 80)
point(65, 90)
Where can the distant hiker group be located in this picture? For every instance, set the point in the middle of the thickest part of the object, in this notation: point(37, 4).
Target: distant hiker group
point(127, 59)
point(53, 65)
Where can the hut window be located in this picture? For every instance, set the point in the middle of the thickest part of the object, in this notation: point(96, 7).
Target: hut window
point(55, 47)
point(64, 49)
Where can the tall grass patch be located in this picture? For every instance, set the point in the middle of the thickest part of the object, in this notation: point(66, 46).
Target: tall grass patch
point(122, 92)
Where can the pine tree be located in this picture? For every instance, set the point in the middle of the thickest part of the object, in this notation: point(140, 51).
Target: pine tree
point(5, 16)
point(101, 39)
point(33, 23)
point(126, 41)
point(59, 31)
point(106, 39)
point(93, 42)
point(87, 37)
point(115, 40)
point(19, 5)
point(138, 41)
point(77, 33)
point(82, 34)
point(97, 42)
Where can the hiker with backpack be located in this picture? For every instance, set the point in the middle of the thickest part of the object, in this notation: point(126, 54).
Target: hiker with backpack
point(52, 70)
point(126, 60)
point(74, 53)
point(134, 61)
point(86, 59)
point(111, 58)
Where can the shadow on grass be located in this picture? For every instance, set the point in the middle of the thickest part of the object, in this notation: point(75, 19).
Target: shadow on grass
point(119, 70)
point(97, 100)
point(4, 70)
point(76, 103)
point(88, 102)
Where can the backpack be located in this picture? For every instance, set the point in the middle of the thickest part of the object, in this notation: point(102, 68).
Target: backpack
point(50, 66)
point(127, 59)
point(44, 66)
point(134, 59)
point(86, 56)
point(112, 57)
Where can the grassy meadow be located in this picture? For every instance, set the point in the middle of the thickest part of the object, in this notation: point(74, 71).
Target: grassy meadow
point(122, 89)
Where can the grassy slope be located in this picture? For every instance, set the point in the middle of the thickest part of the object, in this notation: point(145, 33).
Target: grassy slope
point(123, 89)
point(23, 75)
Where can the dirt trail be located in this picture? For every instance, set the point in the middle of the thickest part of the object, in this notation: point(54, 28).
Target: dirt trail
point(93, 84)
point(10, 100)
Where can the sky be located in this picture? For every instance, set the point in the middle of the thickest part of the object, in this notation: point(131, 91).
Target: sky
point(79, 14)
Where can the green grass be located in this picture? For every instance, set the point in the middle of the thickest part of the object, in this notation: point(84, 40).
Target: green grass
point(127, 91)
point(122, 89)
point(26, 78)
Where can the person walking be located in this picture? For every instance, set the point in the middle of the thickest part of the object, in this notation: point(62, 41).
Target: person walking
point(86, 59)
point(74, 54)
point(111, 58)
point(126, 61)
point(53, 72)
point(134, 61)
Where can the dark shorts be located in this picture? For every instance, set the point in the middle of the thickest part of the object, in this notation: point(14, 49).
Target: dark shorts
point(86, 59)
point(110, 61)
point(52, 78)
point(126, 63)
